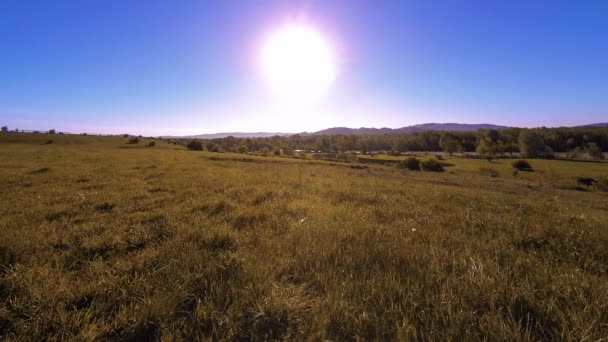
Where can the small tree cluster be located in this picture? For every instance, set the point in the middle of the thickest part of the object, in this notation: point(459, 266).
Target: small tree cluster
point(133, 140)
point(432, 165)
point(532, 145)
point(195, 145)
point(411, 163)
point(450, 143)
point(211, 147)
point(522, 165)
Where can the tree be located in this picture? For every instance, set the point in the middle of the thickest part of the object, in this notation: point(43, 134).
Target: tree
point(450, 143)
point(411, 163)
point(594, 151)
point(432, 165)
point(195, 145)
point(211, 147)
point(531, 145)
point(4, 129)
point(288, 151)
point(489, 142)
point(52, 131)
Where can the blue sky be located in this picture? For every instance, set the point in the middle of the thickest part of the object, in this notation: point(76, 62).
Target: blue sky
point(187, 67)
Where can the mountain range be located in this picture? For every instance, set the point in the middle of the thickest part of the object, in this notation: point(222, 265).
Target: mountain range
point(364, 130)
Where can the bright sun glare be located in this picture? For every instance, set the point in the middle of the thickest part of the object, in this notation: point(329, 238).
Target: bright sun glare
point(297, 63)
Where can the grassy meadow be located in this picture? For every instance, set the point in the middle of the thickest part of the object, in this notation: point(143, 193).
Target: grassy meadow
point(103, 240)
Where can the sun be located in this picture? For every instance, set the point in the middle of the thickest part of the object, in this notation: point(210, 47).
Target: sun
point(297, 62)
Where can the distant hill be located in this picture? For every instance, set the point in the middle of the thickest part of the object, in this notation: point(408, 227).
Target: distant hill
point(371, 131)
point(601, 124)
point(233, 134)
point(409, 129)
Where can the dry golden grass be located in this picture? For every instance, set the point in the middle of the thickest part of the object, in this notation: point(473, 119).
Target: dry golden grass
point(100, 240)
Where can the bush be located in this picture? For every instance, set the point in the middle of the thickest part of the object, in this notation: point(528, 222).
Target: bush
point(48, 142)
point(411, 163)
point(195, 145)
point(134, 141)
point(288, 152)
point(488, 171)
point(522, 165)
point(211, 147)
point(432, 165)
point(242, 149)
point(602, 184)
point(151, 144)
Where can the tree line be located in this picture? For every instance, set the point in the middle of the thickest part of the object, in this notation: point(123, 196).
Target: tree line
point(536, 142)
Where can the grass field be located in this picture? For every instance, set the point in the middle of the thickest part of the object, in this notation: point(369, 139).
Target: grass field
point(101, 240)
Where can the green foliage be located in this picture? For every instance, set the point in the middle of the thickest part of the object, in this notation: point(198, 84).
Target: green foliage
point(532, 145)
point(195, 145)
point(133, 141)
point(450, 143)
point(411, 163)
point(242, 149)
point(432, 165)
point(594, 151)
point(151, 144)
point(522, 165)
point(211, 147)
point(287, 151)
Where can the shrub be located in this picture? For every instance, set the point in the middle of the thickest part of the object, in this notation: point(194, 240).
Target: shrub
point(432, 165)
point(48, 142)
point(134, 141)
point(151, 144)
point(242, 149)
point(195, 145)
point(211, 147)
point(522, 165)
point(586, 181)
point(395, 153)
point(411, 163)
point(488, 171)
point(439, 157)
point(602, 184)
point(288, 152)
point(594, 151)
point(52, 131)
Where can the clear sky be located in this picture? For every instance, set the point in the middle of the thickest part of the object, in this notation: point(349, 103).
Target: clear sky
point(188, 67)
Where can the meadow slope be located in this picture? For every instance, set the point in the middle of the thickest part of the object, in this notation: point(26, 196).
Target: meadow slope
point(101, 240)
